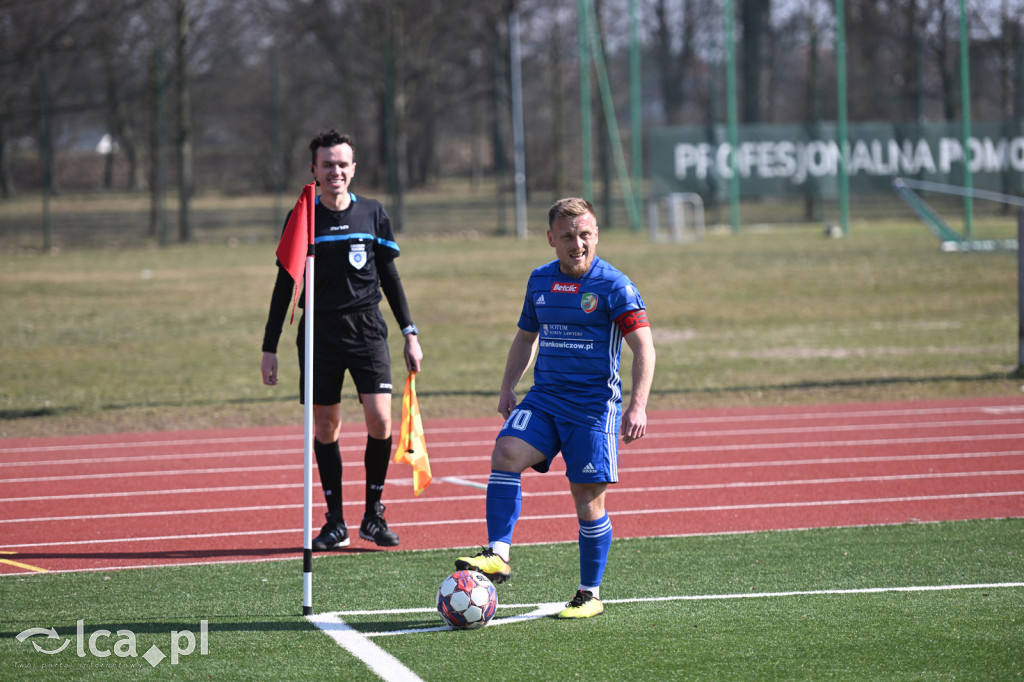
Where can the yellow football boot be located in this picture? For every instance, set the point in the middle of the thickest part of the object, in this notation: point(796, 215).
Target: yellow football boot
point(583, 605)
point(487, 562)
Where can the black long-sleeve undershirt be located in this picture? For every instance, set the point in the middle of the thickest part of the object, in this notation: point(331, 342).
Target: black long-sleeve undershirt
point(390, 283)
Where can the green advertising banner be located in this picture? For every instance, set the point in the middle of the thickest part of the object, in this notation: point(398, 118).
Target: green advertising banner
point(799, 161)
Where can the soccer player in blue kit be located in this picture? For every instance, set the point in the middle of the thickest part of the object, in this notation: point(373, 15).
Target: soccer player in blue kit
point(577, 312)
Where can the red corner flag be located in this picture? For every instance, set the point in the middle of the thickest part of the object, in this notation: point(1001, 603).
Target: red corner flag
point(297, 238)
point(412, 446)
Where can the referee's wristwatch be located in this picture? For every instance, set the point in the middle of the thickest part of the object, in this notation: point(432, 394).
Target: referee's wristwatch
point(411, 329)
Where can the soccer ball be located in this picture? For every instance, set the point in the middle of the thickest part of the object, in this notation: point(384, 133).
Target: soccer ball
point(466, 600)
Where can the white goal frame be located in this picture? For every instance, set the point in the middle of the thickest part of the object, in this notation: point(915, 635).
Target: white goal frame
point(678, 206)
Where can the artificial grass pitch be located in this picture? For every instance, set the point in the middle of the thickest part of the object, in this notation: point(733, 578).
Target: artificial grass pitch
point(704, 607)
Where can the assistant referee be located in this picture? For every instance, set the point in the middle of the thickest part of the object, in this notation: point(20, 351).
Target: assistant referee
point(355, 261)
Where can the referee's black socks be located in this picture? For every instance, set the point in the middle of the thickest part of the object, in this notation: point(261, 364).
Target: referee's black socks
point(376, 459)
point(328, 461)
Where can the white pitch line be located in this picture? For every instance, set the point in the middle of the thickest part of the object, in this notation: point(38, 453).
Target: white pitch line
point(816, 593)
point(335, 621)
point(545, 610)
point(50, 543)
point(699, 597)
point(383, 664)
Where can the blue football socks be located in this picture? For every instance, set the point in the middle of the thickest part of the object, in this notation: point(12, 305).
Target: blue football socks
point(595, 542)
point(504, 503)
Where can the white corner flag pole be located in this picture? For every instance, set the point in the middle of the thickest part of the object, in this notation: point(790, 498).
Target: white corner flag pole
point(307, 483)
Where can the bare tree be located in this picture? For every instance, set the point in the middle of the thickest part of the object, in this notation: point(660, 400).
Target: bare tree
point(417, 82)
point(120, 66)
point(673, 54)
point(29, 29)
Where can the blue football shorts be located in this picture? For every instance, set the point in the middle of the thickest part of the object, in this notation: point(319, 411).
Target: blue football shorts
point(591, 455)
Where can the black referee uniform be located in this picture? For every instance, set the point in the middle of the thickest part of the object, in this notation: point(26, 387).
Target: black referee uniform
point(355, 251)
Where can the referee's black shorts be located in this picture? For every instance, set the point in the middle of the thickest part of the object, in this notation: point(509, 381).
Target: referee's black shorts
point(355, 341)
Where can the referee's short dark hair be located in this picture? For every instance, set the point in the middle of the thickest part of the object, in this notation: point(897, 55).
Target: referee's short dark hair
point(328, 138)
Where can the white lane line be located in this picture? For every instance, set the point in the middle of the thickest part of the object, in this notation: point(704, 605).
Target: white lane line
point(297, 467)
point(50, 543)
point(440, 445)
point(615, 490)
point(468, 479)
point(998, 410)
point(458, 480)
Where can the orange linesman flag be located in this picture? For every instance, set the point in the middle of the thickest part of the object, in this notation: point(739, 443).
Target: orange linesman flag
point(297, 238)
point(412, 446)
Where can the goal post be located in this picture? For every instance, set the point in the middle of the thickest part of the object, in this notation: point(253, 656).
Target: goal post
point(949, 238)
point(684, 217)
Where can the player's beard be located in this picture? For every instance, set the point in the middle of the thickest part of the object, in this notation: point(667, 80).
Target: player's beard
point(577, 268)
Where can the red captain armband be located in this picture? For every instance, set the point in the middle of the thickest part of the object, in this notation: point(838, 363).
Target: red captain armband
point(633, 320)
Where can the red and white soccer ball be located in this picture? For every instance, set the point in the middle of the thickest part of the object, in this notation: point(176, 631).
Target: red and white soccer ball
point(466, 600)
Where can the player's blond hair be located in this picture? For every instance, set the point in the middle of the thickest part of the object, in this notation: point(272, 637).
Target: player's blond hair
point(569, 207)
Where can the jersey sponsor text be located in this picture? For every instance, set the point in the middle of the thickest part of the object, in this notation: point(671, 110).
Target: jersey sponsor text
point(565, 287)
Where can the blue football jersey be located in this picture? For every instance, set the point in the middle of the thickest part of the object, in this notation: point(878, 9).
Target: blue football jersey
point(576, 375)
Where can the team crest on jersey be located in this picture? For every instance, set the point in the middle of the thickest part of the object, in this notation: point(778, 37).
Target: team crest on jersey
point(357, 256)
point(589, 303)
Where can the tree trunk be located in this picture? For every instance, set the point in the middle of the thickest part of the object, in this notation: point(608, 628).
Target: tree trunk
point(185, 170)
point(558, 124)
point(6, 184)
point(158, 177)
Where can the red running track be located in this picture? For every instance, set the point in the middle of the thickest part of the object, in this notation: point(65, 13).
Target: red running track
point(153, 499)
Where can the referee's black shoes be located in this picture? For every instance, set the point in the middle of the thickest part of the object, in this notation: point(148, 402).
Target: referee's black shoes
point(375, 529)
point(333, 535)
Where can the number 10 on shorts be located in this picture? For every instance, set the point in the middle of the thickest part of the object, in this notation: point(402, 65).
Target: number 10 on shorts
point(518, 420)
